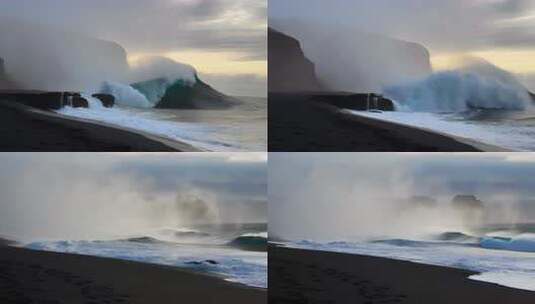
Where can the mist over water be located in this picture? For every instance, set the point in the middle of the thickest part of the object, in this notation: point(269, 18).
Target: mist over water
point(476, 84)
point(467, 211)
point(373, 197)
point(88, 196)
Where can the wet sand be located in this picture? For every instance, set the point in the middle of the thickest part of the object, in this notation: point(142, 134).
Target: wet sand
point(28, 276)
point(25, 129)
point(298, 124)
point(304, 276)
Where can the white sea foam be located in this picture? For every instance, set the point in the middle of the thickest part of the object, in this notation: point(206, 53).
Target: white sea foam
point(478, 84)
point(126, 95)
point(240, 266)
point(198, 135)
point(503, 267)
point(508, 134)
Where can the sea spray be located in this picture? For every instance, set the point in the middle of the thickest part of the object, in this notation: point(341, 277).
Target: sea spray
point(478, 85)
point(126, 95)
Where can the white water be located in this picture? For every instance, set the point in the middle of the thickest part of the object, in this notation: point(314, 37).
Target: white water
point(503, 267)
point(199, 135)
point(457, 91)
point(234, 265)
point(512, 134)
point(126, 95)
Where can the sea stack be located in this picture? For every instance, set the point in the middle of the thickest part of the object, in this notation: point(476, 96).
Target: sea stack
point(289, 69)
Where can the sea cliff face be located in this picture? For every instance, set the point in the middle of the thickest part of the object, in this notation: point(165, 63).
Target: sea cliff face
point(289, 69)
point(43, 58)
point(351, 60)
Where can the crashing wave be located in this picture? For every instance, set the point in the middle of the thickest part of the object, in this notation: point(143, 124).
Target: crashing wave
point(126, 95)
point(524, 243)
point(250, 241)
point(157, 89)
point(477, 86)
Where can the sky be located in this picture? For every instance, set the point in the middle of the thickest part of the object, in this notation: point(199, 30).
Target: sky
point(92, 195)
point(500, 31)
point(222, 39)
point(330, 196)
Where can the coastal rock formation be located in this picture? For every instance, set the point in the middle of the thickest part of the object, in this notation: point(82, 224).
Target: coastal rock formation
point(350, 60)
point(107, 100)
point(358, 102)
point(289, 69)
point(49, 59)
point(79, 102)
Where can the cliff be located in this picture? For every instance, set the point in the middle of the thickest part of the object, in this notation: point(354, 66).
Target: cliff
point(43, 58)
point(351, 60)
point(289, 69)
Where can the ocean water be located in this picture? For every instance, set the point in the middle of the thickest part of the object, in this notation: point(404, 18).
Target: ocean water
point(239, 128)
point(513, 130)
point(504, 257)
point(479, 102)
point(236, 252)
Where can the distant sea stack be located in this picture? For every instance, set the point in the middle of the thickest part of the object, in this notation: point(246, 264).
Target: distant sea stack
point(43, 58)
point(289, 69)
point(351, 60)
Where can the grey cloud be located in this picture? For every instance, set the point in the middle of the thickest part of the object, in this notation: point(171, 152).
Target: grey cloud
point(153, 25)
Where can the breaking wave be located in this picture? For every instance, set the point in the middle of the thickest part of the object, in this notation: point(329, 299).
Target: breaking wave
point(251, 241)
point(126, 95)
point(523, 243)
point(477, 86)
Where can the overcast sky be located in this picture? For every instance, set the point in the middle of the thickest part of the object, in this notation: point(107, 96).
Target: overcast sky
point(501, 31)
point(80, 195)
point(315, 195)
point(222, 38)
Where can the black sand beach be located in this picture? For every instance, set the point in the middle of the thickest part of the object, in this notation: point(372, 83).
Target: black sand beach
point(24, 129)
point(297, 124)
point(28, 276)
point(302, 276)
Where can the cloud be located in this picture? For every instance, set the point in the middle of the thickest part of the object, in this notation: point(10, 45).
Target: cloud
point(156, 25)
point(238, 85)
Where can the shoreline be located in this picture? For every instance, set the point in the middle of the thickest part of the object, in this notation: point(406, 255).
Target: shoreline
point(299, 123)
point(379, 123)
point(27, 274)
point(63, 133)
point(298, 275)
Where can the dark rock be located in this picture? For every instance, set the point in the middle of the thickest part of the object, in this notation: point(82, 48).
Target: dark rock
point(289, 69)
point(45, 100)
point(532, 96)
point(107, 100)
point(181, 95)
point(358, 102)
point(79, 102)
point(211, 262)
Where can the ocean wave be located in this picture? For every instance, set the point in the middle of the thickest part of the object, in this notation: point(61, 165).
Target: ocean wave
point(476, 86)
point(126, 95)
point(250, 241)
point(523, 243)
